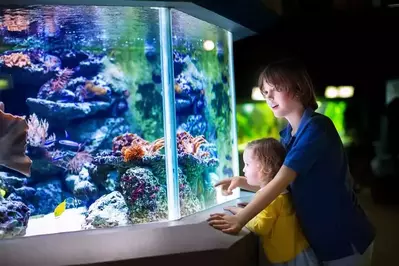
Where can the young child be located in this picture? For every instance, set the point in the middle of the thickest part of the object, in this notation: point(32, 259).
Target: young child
point(315, 169)
point(277, 226)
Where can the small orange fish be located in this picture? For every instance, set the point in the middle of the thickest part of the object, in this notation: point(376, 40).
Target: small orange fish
point(178, 89)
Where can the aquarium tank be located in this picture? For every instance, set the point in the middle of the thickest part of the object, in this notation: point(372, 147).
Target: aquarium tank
point(255, 120)
point(130, 114)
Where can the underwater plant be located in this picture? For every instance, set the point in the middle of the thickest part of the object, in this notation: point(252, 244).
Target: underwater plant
point(37, 132)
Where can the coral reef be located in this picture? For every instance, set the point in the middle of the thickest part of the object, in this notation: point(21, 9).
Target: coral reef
point(14, 216)
point(144, 195)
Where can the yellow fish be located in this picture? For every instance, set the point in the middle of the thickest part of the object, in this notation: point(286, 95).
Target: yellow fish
point(60, 209)
point(2, 192)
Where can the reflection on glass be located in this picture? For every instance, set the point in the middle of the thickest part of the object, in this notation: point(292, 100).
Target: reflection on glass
point(203, 110)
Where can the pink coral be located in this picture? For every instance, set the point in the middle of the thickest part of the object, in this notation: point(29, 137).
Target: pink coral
point(188, 144)
point(37, 132)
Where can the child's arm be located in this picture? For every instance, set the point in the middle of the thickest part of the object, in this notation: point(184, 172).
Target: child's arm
point(233, 224)
point(229, 184)
point(262, 223)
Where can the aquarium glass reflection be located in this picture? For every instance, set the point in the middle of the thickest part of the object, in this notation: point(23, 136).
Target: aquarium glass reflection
point(88, 81)
point(203, 110)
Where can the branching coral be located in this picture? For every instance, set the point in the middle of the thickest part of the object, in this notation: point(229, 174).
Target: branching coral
point(16, 59)
point(188, 144)
point(37, 132)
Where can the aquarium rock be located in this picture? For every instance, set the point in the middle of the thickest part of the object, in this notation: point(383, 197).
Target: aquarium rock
point(10, 182)
point(85, 190)
point(144, 195)
point(14, 216)
point(48, 195)
point(108, 211)
point(63, 112)
point(89, 67)
point(44, 169)
point(100, 130)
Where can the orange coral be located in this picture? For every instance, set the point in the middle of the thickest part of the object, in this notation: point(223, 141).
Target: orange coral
point(126, 140)
point(133, 152)
point(16, 59)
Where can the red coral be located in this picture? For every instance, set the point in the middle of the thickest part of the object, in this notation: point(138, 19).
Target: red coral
point(61, 80)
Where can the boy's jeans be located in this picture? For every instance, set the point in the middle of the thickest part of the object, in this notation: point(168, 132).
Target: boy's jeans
point(354, 260)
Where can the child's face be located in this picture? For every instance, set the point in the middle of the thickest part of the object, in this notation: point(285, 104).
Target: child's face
point(252, 168)
point(282, 103)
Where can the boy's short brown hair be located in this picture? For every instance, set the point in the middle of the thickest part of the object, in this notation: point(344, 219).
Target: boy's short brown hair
point(270, 153)
point(290, 75)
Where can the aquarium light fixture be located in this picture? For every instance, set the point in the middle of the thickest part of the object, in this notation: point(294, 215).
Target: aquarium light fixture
point(209, 45)
point(256, 94)
point(339, 92)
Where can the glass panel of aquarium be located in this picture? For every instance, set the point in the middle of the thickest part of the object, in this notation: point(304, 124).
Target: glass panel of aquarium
point(204, 118)
point(88, 79)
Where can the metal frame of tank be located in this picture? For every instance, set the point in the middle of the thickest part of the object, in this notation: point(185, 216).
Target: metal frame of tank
point(235, 32)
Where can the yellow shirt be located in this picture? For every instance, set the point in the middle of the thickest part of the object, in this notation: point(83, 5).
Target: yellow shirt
point(278, 228)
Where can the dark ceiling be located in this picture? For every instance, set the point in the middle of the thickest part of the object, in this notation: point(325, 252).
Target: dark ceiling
point(352, 43)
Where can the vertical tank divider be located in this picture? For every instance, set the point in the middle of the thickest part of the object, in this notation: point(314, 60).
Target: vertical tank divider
point(234, 156)
point(169, 114)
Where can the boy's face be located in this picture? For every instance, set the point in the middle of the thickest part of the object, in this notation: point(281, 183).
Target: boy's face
point(282, 103)
point(252, 168)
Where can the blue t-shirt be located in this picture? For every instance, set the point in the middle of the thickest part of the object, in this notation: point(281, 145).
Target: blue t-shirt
point(326, 206)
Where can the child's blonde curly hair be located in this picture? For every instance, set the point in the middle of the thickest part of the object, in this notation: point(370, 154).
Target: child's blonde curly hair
point(270, 153)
